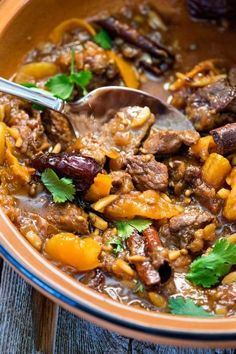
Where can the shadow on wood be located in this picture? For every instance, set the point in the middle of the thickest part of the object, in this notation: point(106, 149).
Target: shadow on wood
point(44, 319)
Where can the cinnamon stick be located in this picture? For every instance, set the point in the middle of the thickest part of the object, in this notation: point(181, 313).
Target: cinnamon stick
point(225, 138)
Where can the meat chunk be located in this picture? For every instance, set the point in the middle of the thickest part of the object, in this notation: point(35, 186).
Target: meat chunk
point(163, 142)
point(88, 56)
point(68, 217)
point(212, 105)
point(207, 196)
point(147, 173)
point(95, 280)
point(186, 172)
point(57, 128)
point(95, 58)
point(121, 182)
point(146, 271)
point(32, 136)
point(121, 135)
point(27, 221)
point(179, 231)
point(90, 146)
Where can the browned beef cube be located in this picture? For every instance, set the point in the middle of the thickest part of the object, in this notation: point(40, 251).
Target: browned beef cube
point(147, 173)
point(212, 105)
point(163, 142)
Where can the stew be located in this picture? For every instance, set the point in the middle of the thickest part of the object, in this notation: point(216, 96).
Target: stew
point(144, 215)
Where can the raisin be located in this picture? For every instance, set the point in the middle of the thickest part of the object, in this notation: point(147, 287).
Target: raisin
point(81, 169)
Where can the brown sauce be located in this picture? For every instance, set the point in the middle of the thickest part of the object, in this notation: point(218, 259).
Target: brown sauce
point(191, 42)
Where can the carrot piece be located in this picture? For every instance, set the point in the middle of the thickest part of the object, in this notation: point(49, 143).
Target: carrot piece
point(36, 71)
point(57, 33)
point(69, 249)
point(215, 170)
point(230, 205)
point(3, 130)
point(126, 70)
point(100, 188)
point(149, 204)
point(203, 146)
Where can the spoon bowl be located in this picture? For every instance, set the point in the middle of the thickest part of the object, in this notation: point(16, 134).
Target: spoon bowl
point(101, 103)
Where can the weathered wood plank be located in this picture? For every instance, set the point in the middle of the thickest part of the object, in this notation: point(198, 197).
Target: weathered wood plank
point(1, 264)
point(44, 320)
point(139, 347)
point(73, 336)
point(16, 331)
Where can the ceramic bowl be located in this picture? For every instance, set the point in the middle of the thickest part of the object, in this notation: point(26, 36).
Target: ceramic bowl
point(24, 24)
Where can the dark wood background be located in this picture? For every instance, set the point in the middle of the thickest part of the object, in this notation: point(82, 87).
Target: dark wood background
point(73, 335)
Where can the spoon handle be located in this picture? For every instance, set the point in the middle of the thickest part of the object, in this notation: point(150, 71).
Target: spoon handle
point(30, 94)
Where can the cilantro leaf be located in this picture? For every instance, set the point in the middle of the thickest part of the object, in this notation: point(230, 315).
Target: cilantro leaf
point(38, 107)
point(82, 79)
point(208, 269)
point(117, 245)
point(186, 307)
point(125, 228)
point(139, 287)
point(28, 84)
point(61, 86)
point(62, 189)
point(103, 39)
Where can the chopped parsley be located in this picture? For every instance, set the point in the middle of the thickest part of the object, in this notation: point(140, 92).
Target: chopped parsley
point(207, 270)
point(103, 39)
point(186, 307)
point(125, 228)
point(62, 189)
point(62, 85)
point(139, 288)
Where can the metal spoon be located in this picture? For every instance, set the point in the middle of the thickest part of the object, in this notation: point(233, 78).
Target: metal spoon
point(100, 105)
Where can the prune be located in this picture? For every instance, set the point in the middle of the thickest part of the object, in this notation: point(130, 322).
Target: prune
point(207, 9)
point(81, 169)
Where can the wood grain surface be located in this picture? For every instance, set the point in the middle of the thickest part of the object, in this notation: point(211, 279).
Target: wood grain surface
point(22, 333)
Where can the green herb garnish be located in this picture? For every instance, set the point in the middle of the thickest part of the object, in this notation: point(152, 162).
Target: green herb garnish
point(125, 228)
point(62, 189)
point(117, 245)
point(29, 84)
point(186, 307)
point(103, 39)
point(139, 288)
point(62, 85)
point(208, 269)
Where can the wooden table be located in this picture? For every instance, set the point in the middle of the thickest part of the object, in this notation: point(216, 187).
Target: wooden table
point(73, 335)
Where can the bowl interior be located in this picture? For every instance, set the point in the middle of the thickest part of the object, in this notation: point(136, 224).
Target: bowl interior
point(23, 25)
